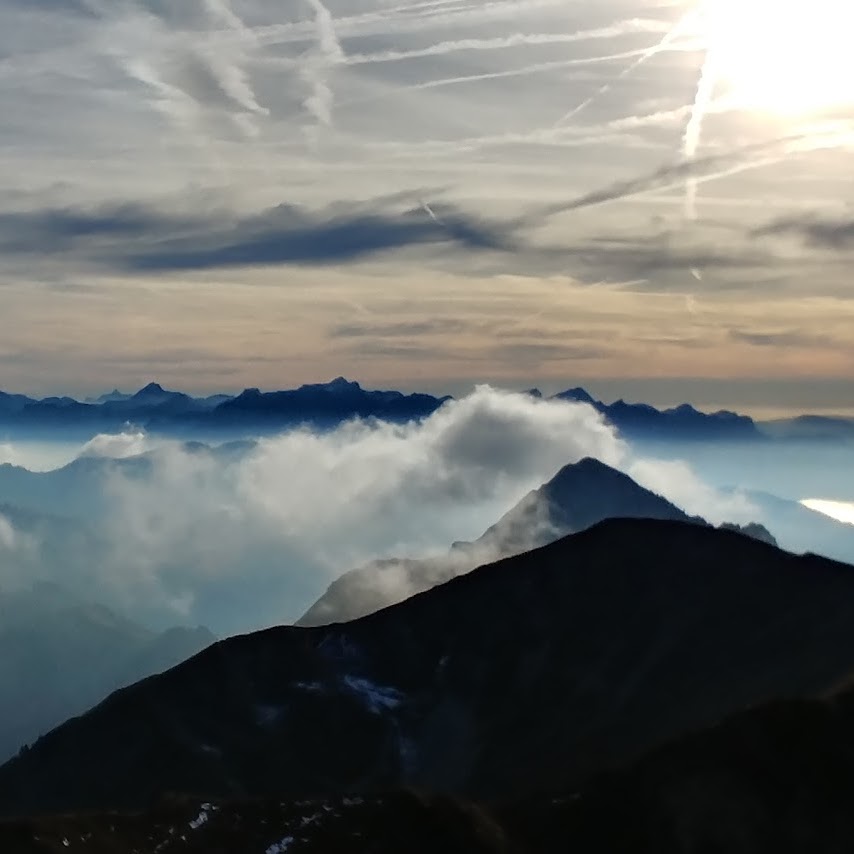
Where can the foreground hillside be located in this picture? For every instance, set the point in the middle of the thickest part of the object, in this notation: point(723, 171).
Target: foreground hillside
point(522, 677)
point(775, 780)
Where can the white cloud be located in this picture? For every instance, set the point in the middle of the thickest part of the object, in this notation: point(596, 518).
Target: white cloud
point(677, 481)
point(117, 445)
point(319, 63)
point(7, 534)
point(242, 539)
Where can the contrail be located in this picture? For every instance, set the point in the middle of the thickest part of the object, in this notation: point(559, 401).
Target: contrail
point(395, 20)
point(315, 71)
point(701, 170)
point(669, 37)
point(500, 42)
point(691, 140)
point(536, 68)
point(429, 211)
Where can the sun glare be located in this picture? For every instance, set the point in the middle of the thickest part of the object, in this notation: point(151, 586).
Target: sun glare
point(781, 56)
point(842, 511)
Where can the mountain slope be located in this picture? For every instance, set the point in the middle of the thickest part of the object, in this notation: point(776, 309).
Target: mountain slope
point(527, 675)
point(778, 779)
point(59, 655)
point(578, 496)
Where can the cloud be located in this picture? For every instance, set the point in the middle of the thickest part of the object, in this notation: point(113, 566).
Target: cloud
point(403, 329)
point(635, 25)
point(242, 537)
point(782, 338)
point(135, 237)
point(709, 168)
point(834, 233)
point(676, 481)
point(7, 534)
point(116, 446)
point(318, 65)
point(161, 46)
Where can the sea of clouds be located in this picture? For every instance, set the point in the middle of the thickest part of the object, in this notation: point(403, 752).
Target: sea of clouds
point(243, 537)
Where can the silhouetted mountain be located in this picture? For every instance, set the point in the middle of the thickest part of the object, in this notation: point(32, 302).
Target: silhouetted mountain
point(577, 497)
point(752, 529)
point(800, 529)
point(528, 675)
point(109, 397)
point(642, 421)
point(76, 489)
point(323, 404)
point(60, 654)
point(13, 403)
point(777, 779)
point(331, 402)
point(155, 408)
point(810, 427)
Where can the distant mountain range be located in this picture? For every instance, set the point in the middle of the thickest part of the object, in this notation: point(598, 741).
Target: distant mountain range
point(685, 422)
point(579, 496)
point(323, 404)
point(157, 409)
point(60, 654)
point(523, 677)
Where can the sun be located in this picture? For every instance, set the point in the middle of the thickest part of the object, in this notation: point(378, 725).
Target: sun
point(780, 56)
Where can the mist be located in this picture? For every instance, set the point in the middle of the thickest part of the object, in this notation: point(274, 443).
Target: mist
point(242, 536)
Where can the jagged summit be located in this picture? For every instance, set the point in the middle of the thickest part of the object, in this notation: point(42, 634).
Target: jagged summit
point(150, 389)
point(578, 394)
point(341, 384)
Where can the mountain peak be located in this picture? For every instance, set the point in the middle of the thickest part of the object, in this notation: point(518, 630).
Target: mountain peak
point(341, 383)
point(151, 388)
point(577, 394)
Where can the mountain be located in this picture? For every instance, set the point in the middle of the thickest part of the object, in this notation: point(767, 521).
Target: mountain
point(577, 497)
point(152, 396)
point(800, 529)
point(810, 428)
point(642, 421)
point(77, 489)
point(60, 654)
point(110, 397)
point(323, 403)
point(13, 403)
point(526, 676)
point(157, 409)
point(777, 779)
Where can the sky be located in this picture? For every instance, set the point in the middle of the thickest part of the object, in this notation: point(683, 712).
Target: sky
point(648, 198)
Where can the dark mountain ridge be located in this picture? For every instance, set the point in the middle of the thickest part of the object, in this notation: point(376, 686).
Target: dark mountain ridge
point(777, 779)
point(579, 496)
point(522, 677)
point(324, 404)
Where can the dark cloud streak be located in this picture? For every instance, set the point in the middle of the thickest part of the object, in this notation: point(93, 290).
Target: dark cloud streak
point(136, 238)
point(819, 232)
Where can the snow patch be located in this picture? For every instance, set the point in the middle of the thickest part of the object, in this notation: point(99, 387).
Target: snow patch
point(376, 697)
point(280, 847)
point(202, 817)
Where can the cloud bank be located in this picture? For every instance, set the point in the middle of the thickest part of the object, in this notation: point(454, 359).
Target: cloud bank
point(246, 536)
